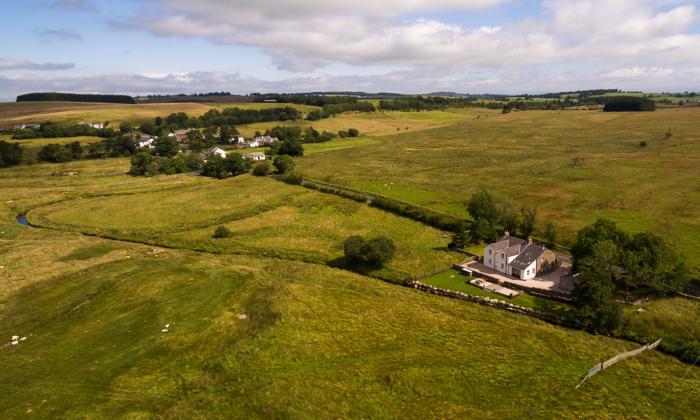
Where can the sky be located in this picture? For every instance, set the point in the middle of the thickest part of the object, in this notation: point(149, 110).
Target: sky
point(407, 46)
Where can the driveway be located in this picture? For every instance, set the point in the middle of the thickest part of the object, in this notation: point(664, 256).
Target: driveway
point(550, 281)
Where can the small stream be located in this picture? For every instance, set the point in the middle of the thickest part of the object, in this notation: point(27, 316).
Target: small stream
point(22, 219)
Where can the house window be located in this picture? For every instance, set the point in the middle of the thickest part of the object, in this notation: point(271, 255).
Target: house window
point(489, 251)
point(489, 260)
point(501, 266)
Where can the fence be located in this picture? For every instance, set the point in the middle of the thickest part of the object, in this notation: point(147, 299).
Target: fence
point(622, 356)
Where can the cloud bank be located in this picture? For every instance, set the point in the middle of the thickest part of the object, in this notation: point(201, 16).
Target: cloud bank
point(306, 35)
point(24, 64)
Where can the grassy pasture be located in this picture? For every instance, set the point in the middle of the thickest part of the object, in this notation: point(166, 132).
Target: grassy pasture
point(530, 156)
point(72, 112)
point(379, 123)
point(315, 342)
point(267, 218)
point(339, 144)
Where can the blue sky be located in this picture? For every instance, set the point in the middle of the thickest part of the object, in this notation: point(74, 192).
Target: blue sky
point(477, 46)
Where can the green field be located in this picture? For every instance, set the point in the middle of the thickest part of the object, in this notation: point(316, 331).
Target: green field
point(530, 157)
point(379, 123)
point(267, 218)
point(262, 324)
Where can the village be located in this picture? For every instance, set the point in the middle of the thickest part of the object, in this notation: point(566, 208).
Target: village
point(182, 137)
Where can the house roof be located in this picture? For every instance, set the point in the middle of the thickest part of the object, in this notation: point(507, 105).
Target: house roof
point(529, 254)
point(507, 242)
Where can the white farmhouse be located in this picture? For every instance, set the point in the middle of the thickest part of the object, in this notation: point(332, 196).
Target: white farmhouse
point(215, 151)
point(253, 144)
point(266, 139)
point(517, 257)
point(254, 156)
point(93, 125)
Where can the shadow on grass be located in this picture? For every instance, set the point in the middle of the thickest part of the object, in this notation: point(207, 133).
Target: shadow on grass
point(343, 263)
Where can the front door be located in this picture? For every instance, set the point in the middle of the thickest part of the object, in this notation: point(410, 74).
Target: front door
point(515, 272)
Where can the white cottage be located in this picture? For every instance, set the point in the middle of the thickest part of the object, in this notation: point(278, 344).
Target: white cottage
point(254, 156)
point(216, 151)
point(517, 257)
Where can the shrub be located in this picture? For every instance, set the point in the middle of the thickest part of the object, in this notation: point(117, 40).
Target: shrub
point(690, 352)
point(353, 132)
point(222, 232)
point(292, 178)
point(10, 154)
point(372, 254)
point(262, 168)
point(427, 216)
point(55, 153)
point(284, 164)
point(642, 144)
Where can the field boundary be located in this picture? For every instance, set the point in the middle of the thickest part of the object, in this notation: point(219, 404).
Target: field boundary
point(618, 358)
point(369, 197)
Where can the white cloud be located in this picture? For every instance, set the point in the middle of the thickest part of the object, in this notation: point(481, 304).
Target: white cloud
point(305, 35)
point(24, 64)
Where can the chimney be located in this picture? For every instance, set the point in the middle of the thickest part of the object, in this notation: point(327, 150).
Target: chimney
point(529, 240)
point(506, 234)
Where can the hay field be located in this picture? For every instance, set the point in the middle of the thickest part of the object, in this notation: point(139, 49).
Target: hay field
point(72, 112)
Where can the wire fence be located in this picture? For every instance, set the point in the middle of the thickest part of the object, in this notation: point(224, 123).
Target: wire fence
point(622, 356)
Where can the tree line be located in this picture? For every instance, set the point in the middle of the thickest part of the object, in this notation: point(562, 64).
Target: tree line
point(75, 97)
point(53, 130)
point(628, 104)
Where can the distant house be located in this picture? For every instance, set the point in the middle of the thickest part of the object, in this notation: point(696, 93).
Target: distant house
point(254, 156)
point(180, 136)
point(23, 126)
point(91, 124)
point(146, 140)
point(239, 140)
point(253, 144)
point(263, 140)
point(216, 151)
point(518, 258)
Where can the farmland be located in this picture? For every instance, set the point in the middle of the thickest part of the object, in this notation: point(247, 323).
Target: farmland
point(267, 218)
point(73, 112)
point(575, 166)
point(265, 323)
point(314, 341)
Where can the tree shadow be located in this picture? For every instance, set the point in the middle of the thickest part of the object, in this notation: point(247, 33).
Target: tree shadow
point(343, 263)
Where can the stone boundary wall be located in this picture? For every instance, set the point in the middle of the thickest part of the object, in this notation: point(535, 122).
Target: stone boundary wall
point(492, 302)
point(549, 294)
